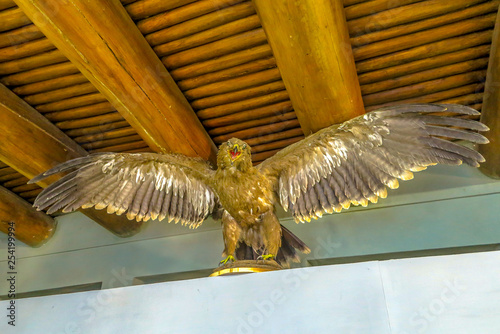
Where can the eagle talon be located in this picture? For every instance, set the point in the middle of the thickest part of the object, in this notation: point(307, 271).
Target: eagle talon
point(266, 257)
point(229, 258)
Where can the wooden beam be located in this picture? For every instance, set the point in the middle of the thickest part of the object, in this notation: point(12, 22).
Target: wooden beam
point(311, 45)
point(32, 227)
point(31, 145)
point(490, 113)
point(117, 59)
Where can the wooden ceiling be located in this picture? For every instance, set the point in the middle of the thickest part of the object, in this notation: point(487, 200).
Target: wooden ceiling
point(186, 75)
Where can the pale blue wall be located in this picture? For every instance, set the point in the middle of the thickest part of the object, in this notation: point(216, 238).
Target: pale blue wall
point(442, 207)
point(435, 295)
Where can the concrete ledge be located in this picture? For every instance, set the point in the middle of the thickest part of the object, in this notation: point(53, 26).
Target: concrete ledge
point(443, 294)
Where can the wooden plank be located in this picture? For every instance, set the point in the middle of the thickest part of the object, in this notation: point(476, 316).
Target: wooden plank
point(40, 145)
point(32, 227)
point(311, 45)
point(490, 113)
point(116, 58)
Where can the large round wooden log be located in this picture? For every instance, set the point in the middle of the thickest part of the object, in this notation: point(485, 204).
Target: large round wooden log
point(51, 84)
point(144, 8)
point(40, 74)
point(20, 35)
point(202, 23)
point(61, 94)
point(181, 14)
point(234, 84)
point(425, 51)
point(207, 36)
point(424, 64)
point(32, 227)
point(250, 114)
point(28, 63)
point(490, 114)
point(424, 37)
point(238, 95)
point(81, 112)
point(215, 49)
point(311, 45)
point(252, 103)
point(73, 102)
point(375, 35)
point(435, 73)
point(221, 63)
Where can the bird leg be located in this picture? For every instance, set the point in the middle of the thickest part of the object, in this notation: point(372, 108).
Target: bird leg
point(229, 258)
point(272, 235)
point(231, 232)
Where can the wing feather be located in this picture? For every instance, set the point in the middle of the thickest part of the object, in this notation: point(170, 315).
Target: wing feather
point(354, 162)
point(143, 186)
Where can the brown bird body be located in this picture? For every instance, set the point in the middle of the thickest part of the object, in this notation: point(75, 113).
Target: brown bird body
point(345, 164)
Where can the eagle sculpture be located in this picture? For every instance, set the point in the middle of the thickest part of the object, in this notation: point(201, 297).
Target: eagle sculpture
point(345, 164)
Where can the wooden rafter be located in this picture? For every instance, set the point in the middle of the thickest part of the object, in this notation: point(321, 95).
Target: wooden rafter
point(31, 145)
point(116, 58)
point(32, 227)
point(310, 42)
point(490, 114)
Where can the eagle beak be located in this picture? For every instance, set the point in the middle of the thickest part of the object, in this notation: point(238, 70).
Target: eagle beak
point(235, 152)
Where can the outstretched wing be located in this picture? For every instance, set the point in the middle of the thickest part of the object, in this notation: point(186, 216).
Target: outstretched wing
point(354, 162)
point(145, 185)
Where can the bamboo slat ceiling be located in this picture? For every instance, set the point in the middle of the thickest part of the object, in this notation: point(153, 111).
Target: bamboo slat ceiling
point(218, 54)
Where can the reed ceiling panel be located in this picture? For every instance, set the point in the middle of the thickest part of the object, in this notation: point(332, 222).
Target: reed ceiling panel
point(421, 51)
point(217, 52)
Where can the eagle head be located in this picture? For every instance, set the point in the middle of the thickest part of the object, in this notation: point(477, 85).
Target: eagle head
point(234, 153)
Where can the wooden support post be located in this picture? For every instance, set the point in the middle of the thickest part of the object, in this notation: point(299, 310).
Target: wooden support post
point(311, 45)
point(31, 145)
point(32, 227)
point(114, 55)
point(490, 113)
